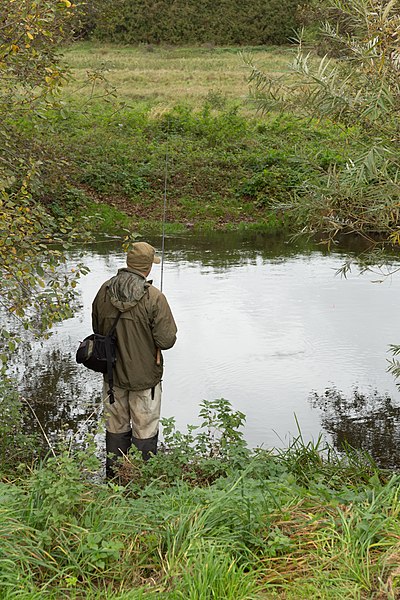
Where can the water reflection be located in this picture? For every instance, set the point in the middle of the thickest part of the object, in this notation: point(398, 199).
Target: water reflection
point(366, 421)
point(261, 322)
point(218, 250)
point(64, 400)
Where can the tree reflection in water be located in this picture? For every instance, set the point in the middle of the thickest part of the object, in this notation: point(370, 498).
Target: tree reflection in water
point(368, 422)
point(67, 403)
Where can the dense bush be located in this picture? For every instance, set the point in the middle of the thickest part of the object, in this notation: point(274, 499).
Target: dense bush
point(191, 22)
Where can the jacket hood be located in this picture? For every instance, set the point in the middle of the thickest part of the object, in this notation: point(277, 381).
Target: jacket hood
point(126, 289)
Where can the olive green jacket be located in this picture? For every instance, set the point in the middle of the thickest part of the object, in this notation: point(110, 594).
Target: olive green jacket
point(146, 323)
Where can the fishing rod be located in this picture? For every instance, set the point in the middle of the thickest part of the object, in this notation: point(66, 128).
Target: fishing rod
point(158, 357)
point(164, 214)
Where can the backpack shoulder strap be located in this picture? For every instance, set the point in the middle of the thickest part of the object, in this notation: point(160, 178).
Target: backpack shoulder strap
point(114, 325)
point(109, 357)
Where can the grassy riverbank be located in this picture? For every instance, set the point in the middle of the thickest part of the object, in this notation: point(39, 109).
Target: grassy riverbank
point(208, 519)
point(227, 166)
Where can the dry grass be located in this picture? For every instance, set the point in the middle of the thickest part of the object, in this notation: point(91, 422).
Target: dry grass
point(165, 76)
point(305, 524)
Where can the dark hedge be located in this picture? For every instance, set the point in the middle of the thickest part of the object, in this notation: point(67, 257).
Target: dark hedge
point(217, 22)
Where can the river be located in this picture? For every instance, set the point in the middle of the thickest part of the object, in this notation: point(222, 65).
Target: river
point(262, 322)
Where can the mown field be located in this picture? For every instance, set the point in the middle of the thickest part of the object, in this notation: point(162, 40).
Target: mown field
point(162, 76)
point(128, 113)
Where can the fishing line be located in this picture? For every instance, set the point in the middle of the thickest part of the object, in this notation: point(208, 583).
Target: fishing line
point(158, 355)
point(164, 211)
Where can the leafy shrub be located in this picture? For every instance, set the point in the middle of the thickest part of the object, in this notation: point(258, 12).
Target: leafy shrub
point(200, 456)
point(360, 195)
point(189, 22)
point(269, 523)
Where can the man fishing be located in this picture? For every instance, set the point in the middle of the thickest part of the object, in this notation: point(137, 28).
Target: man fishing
point(145, 327)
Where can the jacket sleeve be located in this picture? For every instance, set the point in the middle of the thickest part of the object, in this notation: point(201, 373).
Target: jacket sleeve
point(163, 324)
point(96, 312)
point(95, 316)
point(99, 309)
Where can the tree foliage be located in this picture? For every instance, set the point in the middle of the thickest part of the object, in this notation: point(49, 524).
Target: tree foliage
point(35, 286)
point(357, 84)
point(31, 74)
point(193, 22)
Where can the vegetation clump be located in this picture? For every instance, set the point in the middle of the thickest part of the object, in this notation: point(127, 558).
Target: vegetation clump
point(357, 80)
point(227, 22)
point(223, 169)
point(207, 517)
point(35, 287)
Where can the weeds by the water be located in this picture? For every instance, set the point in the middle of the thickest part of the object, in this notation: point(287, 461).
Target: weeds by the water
point(206, 518)
point(227, 166)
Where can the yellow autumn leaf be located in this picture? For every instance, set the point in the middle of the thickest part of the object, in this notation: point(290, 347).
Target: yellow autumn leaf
point(30, 36)
point(67, 3)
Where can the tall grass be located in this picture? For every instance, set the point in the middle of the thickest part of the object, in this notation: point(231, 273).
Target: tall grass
point(235, 524)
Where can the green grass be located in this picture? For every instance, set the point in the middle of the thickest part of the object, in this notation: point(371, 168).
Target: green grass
point(107, 218)
point(233, 523)
point(163, 76)
point(245, 536)
point(227, 167)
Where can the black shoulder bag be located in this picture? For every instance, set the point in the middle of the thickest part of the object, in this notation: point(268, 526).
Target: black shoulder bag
point(99, 353)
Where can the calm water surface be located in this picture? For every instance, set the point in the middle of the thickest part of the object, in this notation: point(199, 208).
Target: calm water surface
point(261, 323)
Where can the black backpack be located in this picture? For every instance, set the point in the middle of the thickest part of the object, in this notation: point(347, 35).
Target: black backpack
point(99, 353)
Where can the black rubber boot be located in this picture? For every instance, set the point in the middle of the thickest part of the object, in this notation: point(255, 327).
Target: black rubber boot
point(147, 447)
point(117, 444)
